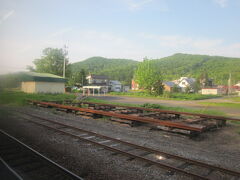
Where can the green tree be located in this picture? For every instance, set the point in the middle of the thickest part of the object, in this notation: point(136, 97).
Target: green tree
point(78, 78)
point(148, 77)
point(176, 89)
point(52, 62)
point(188, 89)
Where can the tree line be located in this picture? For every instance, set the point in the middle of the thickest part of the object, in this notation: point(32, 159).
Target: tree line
point(149, 74)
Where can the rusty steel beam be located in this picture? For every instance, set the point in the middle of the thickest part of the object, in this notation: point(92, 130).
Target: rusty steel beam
point(166, 111)
point(123, 116)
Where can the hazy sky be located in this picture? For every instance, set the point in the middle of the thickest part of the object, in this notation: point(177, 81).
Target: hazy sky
point(116, 28)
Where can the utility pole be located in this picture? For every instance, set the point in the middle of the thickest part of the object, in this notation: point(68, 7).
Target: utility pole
point(64, 59)
point(229, 84)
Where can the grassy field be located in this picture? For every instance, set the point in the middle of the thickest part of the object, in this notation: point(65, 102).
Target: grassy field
point(173, 96)
point(223, 104)
point(19, 98)
point(236, 99)
point(157, 106)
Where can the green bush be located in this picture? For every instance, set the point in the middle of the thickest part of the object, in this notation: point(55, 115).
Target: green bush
point(21, 98)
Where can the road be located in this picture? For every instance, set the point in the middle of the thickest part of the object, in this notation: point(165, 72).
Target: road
point(233, 112)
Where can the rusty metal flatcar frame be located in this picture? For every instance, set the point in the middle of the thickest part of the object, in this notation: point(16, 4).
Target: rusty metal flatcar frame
point(123, 116)
point(166, 111)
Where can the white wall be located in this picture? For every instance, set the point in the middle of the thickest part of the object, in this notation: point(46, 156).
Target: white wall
point(210, 91)
point(43, 87)
point(50, 87)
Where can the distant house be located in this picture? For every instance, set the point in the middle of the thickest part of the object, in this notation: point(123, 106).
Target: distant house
point(169, 86)
point(32, 82)
point(135, 86)
point(115, 86)
point(185, 82)
point(98, 83)
point(97, 79)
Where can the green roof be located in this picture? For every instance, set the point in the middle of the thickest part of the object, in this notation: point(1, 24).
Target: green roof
point(43, 77)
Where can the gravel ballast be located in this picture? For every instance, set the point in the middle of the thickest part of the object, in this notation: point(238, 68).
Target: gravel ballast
point(221, 147)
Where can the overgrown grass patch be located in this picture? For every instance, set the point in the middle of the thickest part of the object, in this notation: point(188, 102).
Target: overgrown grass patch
point(20, 98)
point(224, 104)
point(158, 106)
point(166, 95)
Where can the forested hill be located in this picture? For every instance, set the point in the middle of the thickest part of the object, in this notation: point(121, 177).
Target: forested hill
point(116, 69)
point(172, 67)
point(217, 67)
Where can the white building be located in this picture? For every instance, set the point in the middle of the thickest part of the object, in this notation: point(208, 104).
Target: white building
point(42, 83)
point(185, 82)
point(97, 80)
point(115, 86)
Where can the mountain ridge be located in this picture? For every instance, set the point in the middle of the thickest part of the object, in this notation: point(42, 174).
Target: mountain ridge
point(171, 67)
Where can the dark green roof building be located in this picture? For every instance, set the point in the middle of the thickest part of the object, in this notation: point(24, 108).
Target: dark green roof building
point(32, 82)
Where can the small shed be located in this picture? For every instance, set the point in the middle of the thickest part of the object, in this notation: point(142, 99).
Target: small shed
point(32, 82)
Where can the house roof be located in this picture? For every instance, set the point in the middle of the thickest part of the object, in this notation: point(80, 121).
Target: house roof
point(170, 83)
point(189, 80)
point(42, 77)
point(98, 76)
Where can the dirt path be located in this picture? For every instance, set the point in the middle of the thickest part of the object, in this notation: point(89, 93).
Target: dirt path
point(233, 112)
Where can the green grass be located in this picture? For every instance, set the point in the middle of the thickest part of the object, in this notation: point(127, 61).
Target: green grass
point(166, 95)
point(236, 99)
point(157, 106)
point(224, 104)
point(19, 98)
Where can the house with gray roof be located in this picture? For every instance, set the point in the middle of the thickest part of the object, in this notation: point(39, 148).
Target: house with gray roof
point(185, 82)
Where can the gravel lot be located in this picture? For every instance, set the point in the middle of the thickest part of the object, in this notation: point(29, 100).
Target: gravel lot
point(221, 147)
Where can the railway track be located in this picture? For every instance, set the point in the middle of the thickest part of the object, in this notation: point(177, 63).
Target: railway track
point(24, 163)
point(151, 157)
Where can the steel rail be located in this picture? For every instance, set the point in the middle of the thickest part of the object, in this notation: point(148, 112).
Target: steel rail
point(123, 116)
point(195, 162)
point(162, 165)
point(157, 152)
point(42, 157)
point(14, 173)
point(165, 111)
